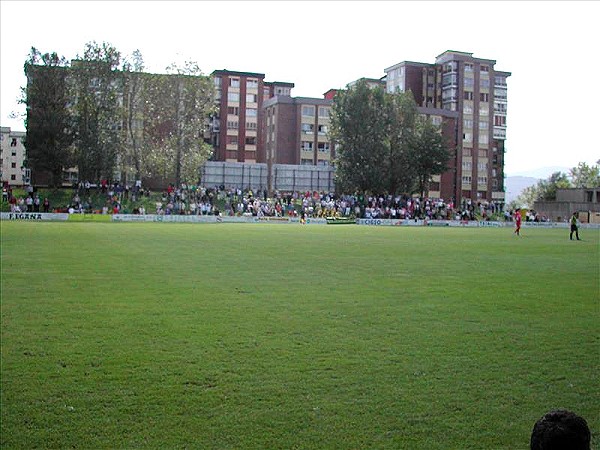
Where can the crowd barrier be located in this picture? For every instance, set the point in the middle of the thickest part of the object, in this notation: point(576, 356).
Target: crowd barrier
point(40, 217)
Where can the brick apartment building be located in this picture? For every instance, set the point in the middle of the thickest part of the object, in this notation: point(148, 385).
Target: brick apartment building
point(473, 89)
point(296, 131)
point(235, 132)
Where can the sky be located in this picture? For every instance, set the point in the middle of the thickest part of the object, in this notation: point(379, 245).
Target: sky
point(550, 47)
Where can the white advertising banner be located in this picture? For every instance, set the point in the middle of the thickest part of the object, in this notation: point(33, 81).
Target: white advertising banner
point(32, 217)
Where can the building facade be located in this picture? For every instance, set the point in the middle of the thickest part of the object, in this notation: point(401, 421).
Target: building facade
point(12, 157)
point(296, 131)
point(235, 132)
point(477, 92)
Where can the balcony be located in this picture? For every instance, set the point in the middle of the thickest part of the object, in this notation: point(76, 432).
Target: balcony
point(500, 133)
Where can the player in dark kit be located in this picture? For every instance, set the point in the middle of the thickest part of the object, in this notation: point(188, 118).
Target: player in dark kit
point(574, 227)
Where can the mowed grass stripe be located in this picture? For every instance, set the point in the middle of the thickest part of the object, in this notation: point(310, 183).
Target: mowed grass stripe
point(274, 336)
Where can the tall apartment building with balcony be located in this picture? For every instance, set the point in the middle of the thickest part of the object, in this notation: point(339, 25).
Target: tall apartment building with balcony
point(296, 131)
point(477, 92)
point(236, 131)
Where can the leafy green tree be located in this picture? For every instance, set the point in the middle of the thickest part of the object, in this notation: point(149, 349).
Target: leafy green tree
point(360, 130)
point(400, 166)
point(430, 155)
point(48, 121)
point(133, 112)
point(584, 176)
point(544, 190)
point(96, 87)
point(177, 106)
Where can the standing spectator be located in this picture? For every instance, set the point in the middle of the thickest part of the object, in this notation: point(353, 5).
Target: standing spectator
point(46, 205)
point(560, 430)
point(36, 203)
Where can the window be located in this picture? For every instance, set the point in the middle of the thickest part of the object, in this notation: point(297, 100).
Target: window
point(250, 140)
point(483, 138)
point(467, 151)
point(467, 137)
point(436, 120)
point(484, 97)
point(218, 81)
point(306, 162)
point(251, 83)
point(467, 123)
point(251, 125)
point(484, 83)
point(500, 81)
point(468, 67)
point(467, 108)
point(233, 110)
point(232, 124)
point(481, 180)
point(13, 153)
point(308, 111)
point(324, 112)
point(322, 130)
point(307, 128)
point(251, 112)
point(13, 142)
point(483, 125)
point(500, 107)
point(467, 95)
point(482, 167)
point(323, 146)
point(13, 165)
point(232, 140)
point(251, 98)
point(484, 69)
point(322, 162)
point(482, 153)
point(307, 146)
point(499, 121)
point(234, 82)
point(466, 166)
point(13, 177)
point(484, 110)
point(233, 96)
point(469, 83)
point(466, 179)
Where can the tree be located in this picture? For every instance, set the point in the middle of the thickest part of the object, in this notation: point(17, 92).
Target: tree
point(543, 190)
point(359, 129)
point(48, 121)
point(584, 176)
point(430, 154)
point(133, 111)
point(177, 106)
point(382, 145)
point(96, 88)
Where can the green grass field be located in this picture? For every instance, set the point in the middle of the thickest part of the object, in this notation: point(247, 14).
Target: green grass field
point(232, 336)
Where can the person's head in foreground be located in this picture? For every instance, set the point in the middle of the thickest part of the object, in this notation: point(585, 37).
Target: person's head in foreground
point(560, 430)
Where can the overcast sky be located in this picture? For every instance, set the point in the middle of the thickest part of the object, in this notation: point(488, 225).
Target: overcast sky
point(551, 48)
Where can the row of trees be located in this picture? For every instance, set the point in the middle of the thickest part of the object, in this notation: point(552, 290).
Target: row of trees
point(581, 176)
point(103, 114)
point(383, 145)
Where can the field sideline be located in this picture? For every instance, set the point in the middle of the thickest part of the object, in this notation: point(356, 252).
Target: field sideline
point(260, 336)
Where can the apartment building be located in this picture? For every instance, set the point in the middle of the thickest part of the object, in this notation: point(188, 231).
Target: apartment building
point(236, 131)
point(12, 157)
point(296, 131)
point(477, 92)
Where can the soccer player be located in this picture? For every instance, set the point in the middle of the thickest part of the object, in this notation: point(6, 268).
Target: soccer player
point(574, 227)
point(518, 222)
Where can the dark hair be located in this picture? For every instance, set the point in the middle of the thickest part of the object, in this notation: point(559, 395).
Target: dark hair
point(560, 430)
